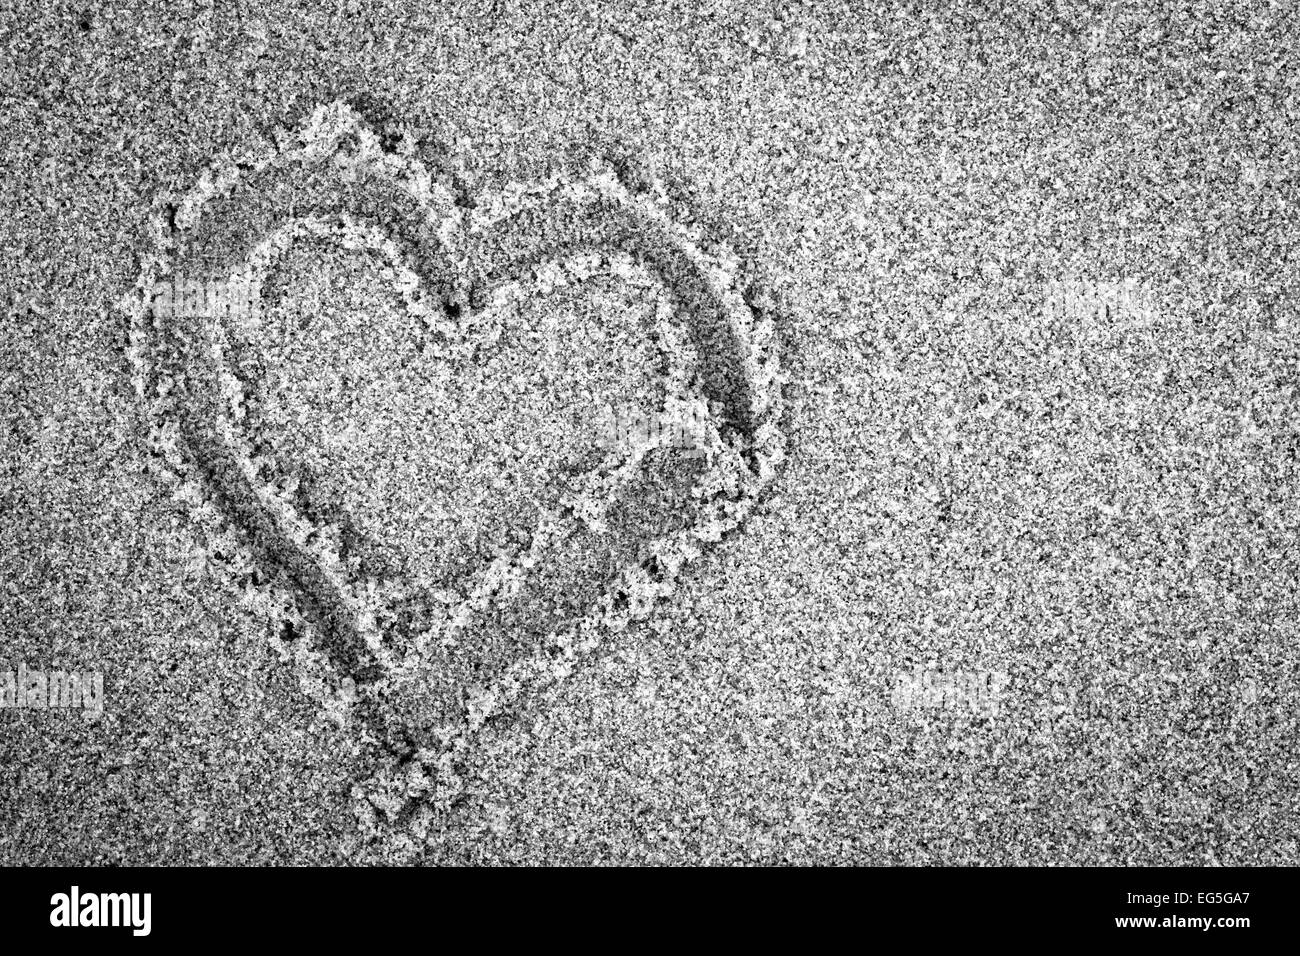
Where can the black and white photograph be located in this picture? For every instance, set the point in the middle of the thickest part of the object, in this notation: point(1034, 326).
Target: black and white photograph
point(695, 434)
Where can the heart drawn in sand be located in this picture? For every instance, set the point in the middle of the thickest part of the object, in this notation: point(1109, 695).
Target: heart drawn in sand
point(393, 412)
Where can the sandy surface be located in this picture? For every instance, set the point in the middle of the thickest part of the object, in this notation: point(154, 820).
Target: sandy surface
point(1024, 589)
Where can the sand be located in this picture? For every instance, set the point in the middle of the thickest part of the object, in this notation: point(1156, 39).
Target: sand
point(1016, 584)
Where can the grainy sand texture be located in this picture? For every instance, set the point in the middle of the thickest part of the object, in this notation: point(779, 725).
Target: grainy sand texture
point(752, 433)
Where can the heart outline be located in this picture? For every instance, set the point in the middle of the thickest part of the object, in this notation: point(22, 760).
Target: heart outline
point(747, 445)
